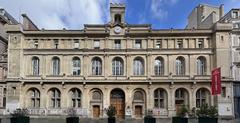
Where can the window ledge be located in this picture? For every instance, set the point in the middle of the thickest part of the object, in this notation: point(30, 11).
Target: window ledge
point(95, 76)
point(201, 75)
point(117, 76)
point(54, 76)
point(138, 76)
point(181, 75)
point(159, 76)
point(74, 75)
point(33, 75)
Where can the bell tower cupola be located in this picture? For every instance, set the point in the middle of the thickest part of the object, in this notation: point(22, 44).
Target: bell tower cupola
point(117, 13)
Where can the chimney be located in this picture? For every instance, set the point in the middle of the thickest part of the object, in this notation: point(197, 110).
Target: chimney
point(28, 24)
point(221, 10)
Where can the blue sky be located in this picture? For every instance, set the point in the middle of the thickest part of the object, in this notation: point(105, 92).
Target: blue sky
point(72, 14)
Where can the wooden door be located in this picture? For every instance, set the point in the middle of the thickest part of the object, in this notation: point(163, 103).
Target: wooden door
point(178, 105)
point(118, 101)
point(138, 111)
point(96, 111)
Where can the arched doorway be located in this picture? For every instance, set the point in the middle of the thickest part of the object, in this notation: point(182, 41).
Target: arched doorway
point(139, 102)
point(181, 99)
point(118, 101)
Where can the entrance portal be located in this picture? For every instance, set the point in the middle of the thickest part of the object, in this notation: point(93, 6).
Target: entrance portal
point(118, 101)
point(138, 111)
point(96, 111)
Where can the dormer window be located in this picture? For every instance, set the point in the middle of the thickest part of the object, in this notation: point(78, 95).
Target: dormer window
point(235, 15)
point(117, 18)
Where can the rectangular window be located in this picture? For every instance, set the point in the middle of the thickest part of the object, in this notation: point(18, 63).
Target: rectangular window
point(36, 44)
point(179, 44)
point(117, 44)
point(138, 44)
point(239, 41)
point(223, 92)
point(222, 38)
point(13, 91)
point(159, 44)
point(235, 41)
point(235, 25)
point(200, 43)
point(235, 15)
point(76, 44)
point(56, 43)
point(96, 44)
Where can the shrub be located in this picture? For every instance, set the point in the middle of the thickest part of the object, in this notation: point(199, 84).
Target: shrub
point(182, 112)
point(111, 111)
point(20, 113)
point(207, 111)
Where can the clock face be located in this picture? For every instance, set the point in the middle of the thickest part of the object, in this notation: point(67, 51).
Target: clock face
point(117, 29)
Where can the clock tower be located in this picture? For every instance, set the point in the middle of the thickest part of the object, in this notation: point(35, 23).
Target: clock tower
point(117, 13)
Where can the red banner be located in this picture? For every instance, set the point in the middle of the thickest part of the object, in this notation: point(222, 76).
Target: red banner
point(216, 81)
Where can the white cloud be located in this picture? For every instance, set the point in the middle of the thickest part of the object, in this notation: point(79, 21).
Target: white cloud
point(157, 7)
point(57, 14)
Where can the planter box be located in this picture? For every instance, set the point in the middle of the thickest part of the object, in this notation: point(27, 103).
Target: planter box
point(149, 120)
point(19, 120)
point(72, 120)
point(179, 120)
point(111, 120)
point(207, 120)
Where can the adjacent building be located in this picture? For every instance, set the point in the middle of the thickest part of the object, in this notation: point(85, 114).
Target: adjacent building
point(130, 66)
point(5, 19)
point(204, 16)
point(233, 17)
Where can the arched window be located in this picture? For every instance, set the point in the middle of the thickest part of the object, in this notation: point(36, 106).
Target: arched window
point(76, 97)
point(96, 96)
point(55, 96)
point(56, 65)
point(117, 18)
point(117, 66)
point(76, 66)
point(202, 97)
point(97, 66)
point(35, 66)
point(160, 98)
point(180, 66)
point(138, 65)
point(138, 96)
point(181, 97)
point(34, 96)
point(159, 66)
point(201, 66)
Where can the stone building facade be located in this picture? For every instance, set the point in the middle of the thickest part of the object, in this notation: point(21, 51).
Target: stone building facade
point(130, 66)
